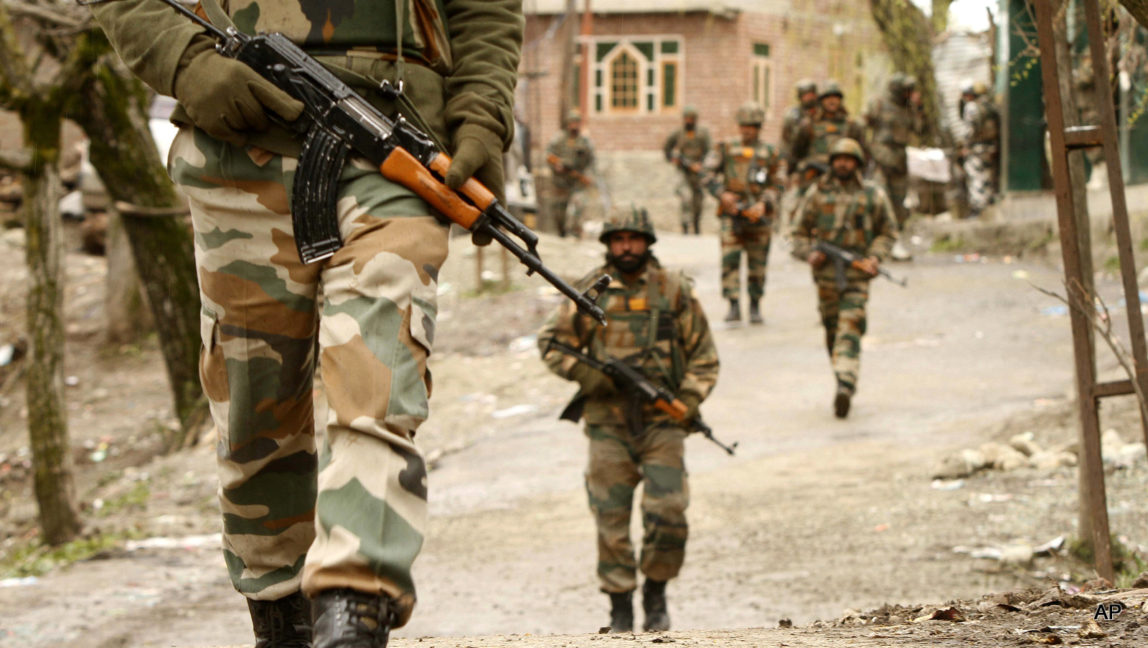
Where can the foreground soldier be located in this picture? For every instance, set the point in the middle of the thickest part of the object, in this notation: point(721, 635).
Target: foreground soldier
point(571, 158)
point(853, 214)
point(343, 526)
point(686, 148)
point(658, 327)
point(746, 180)
point(893, 119)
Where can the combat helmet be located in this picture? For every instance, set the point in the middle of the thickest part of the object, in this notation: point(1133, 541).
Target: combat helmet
point(897, 83)
point(750, 114)
point(636, 220)
point(689, 111)
point(831, 88)
point(979, 88)
point(573, 115)
point(968, 87)
point(847, 146)
point(805, 85)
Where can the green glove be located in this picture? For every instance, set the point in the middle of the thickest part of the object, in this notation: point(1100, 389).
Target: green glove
point(593, 382)
point(225, 98)
point(477, 153)
point(691, 401)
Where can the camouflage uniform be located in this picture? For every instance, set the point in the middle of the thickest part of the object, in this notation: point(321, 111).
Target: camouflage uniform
point(353, 515)
point(793, 118)
point(893, 121)
point(818, 133)
point(981, 124)
point(856, 215)
point(568, 201)
point(656, 325)
point(685, 146)
point(732, 169)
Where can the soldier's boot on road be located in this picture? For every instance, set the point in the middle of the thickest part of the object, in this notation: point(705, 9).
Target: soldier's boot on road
point(685, 228)
point(654, 605)
point(900, 252)
point(842, 401)
point(697, 223)
point(621, 611)
point(755, 313)
point(346, 618)
point(734, 314)
point(284, 623)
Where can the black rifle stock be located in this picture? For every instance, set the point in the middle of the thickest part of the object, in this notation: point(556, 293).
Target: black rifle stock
point(842, 258)
point(628, 378)
point(337, 121)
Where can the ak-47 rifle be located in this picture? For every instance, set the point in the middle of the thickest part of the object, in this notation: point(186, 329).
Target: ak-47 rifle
point(337, 121)
point(756, 176)
point(629, 379)
point(842, 258)
point(574, 174)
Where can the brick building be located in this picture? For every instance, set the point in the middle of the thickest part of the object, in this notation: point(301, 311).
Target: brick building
point(649, 58)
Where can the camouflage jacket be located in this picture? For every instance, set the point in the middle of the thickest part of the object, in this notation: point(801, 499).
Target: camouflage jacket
point(818, 132)
point(753, 172)
point(893, 126)
point(655, 324)
point(692, 146)
point(853, 214)
point(789, 127)
point(576, 154)
point(463, 53)
point(981, 122)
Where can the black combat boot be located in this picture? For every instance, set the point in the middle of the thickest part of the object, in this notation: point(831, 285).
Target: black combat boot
point(841, 401)
point(734, 314)
point(755, 313)
point(685, 228)
point(346, 618)
point(654, 605)
point(285, 623)
point(621, 611)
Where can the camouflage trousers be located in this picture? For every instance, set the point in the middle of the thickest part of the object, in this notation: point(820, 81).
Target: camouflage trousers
point(619, 461)
point(843, 316)
point(567, 207)
point(690, 198)
point(978, 182)
point(754, 241)
point(896, 184)
point(354, 514)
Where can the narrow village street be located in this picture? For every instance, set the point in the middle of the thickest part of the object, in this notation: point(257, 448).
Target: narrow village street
point(813, 517)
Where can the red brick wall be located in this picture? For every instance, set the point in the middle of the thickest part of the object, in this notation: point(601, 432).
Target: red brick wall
point(812, 38)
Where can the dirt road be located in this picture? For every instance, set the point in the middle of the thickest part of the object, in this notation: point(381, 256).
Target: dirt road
point(813, 516)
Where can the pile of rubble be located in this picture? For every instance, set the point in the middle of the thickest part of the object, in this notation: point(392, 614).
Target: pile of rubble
point(1023, 451)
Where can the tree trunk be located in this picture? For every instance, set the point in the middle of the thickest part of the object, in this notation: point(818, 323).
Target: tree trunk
point(126, 315)
point(1138, 9)
point(47, 421)
point(110, 109)
point(908, 36)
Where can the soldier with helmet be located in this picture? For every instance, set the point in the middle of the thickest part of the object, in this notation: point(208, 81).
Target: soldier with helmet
point(850, 213)
point(818, 132)
point(806, 105)
point(893, 119)
point(979, 145)
point(746, 180)
point(686, 148)
point(570, 156)
point(657, 326)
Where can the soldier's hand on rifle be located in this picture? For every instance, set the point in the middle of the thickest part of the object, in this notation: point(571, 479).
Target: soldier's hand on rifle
point(817, 258)
point(695, 167)
point(868, 266)
point(756, 212)
point(729, 202)
point(226, 98)
point(691, 401)
point(477, 153)
point(592, 381)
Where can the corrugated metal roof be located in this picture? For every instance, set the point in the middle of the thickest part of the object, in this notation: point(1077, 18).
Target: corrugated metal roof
point(641, 6)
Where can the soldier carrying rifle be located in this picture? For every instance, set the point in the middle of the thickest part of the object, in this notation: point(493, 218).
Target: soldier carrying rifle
point(854, 215)
point(658, 328)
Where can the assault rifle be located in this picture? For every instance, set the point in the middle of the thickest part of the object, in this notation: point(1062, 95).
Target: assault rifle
point(842, 257)
point(554, 160)
point(629, 379)
point(337, 121)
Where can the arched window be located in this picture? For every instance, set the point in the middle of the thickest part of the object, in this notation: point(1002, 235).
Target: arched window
point(624, 82)
point(636, 76)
